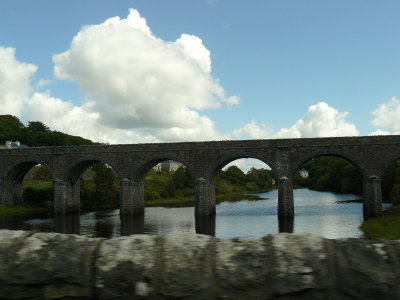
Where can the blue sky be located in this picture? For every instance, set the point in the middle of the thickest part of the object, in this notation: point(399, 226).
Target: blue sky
point(244, 69)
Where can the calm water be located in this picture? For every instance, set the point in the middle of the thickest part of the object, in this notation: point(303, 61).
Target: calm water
point(328, 214)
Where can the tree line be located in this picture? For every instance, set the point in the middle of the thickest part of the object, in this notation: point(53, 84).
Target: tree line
point(334, 174)
point(36, 134)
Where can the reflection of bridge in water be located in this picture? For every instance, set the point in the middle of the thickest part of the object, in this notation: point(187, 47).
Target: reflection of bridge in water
point(129, 224)
point(204, 159)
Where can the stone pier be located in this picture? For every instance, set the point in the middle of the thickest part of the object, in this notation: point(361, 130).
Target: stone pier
point(205, 197)
point(372, 204)
point(285, 197)
point(66, 197)
point(132, 197)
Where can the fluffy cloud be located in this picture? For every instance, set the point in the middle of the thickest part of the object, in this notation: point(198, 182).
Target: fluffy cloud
point(134, 80)
point(254, 131)
point(15, 82)
point(75, 120)
point(140, 88)
point(387, 116)
point(321, 120)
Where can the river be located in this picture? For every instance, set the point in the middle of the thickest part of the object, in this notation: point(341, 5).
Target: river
point(328, 214)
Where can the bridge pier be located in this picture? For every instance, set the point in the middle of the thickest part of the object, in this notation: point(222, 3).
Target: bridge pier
point(205, 197)
point(285, 197)
point(66, 197)
point(372, 204)
point(132, 197)
point(12, 193)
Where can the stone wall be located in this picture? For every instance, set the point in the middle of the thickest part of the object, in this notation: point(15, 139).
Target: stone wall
point(189, 266)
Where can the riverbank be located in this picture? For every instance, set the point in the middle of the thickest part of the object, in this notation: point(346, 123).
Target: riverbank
point(26, 209)
point(189, 201)
point(21, 210)
point(386, 226)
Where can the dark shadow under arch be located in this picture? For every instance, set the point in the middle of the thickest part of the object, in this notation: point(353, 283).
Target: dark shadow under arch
point(73, 173)
point(18, 170)
point(297, 165)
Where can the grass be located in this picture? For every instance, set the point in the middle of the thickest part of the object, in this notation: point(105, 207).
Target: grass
point(38, 184)
point(20, 210)
point(189, 201)
point(386, 226)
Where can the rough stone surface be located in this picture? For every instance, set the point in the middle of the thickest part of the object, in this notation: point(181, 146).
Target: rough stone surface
point(243, 265)
point(183, 261)
point(299, 266)
point(131, 162)
point(46, 265)
point(373, 269)
point(190, 266)
point(125, 267)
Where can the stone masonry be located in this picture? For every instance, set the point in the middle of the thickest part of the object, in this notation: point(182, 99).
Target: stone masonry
point(190, 266)
point(132, 162)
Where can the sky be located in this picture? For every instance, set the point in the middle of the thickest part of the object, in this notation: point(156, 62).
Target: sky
point(179, 70)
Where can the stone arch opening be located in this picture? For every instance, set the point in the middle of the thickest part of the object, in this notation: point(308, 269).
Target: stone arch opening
point(331, 184)
point(29, 181)
point(90, 184)
point(331, 172)
point(242, 174)
point(166, 181)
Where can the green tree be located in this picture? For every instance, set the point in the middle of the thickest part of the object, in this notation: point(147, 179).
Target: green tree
point(36, 126)
point(328, 173)
point(106, 185)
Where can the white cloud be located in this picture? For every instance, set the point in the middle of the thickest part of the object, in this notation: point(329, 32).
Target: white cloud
point(387, 116)
point(138, 87)
point(321, 120)
point(380, 132)
point(15, 82)
point(134, 80)
point(77, 120)
point(254, 131)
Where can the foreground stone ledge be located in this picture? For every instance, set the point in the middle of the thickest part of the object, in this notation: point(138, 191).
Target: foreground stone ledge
point(190, 266)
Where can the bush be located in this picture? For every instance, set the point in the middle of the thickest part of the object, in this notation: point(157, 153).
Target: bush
point(151, 195)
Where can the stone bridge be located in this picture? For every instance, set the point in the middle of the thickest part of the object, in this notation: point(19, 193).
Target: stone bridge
point(204, 159)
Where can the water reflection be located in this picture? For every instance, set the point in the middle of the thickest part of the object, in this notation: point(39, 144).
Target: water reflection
point(286, 224)
point(323, 213)
point(132, 224)
point(205, 225)
point(69, 223)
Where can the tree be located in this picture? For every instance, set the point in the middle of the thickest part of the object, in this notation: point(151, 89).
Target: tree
point(233, 175)
point(38, 127)
point(106, 185)
point(11, 129)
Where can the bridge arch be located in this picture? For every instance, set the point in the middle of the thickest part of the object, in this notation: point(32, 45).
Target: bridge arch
point(389, 159)
point(140, 171)
point(67, 186)
point(371, 183)
point(235, 156)
point(78, 167)
point(12, 180)
point(348, 157)
point(17, 171)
